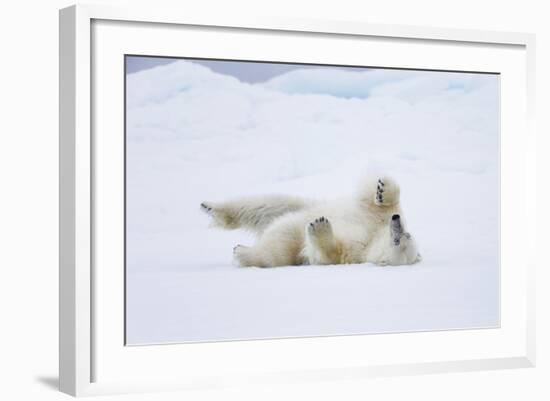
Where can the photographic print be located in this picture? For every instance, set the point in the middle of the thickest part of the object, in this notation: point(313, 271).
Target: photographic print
point(274, 200)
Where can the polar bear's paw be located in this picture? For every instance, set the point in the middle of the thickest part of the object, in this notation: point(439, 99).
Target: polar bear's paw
point(320, 228)
point(219, 215)
point(207, 208)
point(320, 247)
point(387, 192)
point(241, 255)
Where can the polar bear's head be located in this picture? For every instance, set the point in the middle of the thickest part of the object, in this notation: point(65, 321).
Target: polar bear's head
point(402, 246)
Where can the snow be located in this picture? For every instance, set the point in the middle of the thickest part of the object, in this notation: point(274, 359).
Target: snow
point(195, 135)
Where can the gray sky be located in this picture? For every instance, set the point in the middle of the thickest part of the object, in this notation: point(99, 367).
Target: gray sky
point(250, 72)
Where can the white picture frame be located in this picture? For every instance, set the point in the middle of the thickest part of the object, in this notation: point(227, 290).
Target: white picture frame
point(86, 336)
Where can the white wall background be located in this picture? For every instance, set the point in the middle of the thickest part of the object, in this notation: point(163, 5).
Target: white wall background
point(28, 197)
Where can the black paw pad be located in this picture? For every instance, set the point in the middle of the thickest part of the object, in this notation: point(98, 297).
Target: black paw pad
point(380, 191)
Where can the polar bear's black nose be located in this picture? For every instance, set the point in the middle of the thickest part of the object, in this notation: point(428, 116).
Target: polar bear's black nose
point(395, 217)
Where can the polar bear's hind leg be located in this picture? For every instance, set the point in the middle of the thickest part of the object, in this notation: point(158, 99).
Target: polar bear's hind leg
point(265, 255)
point(253, 213)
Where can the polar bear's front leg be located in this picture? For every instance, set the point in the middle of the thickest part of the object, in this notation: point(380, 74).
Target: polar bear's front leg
point(320, 245)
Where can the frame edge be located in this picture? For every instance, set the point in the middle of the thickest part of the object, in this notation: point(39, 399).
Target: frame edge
point(75, 349)
point(74, 201)
point(530, 48)
point(67, 111)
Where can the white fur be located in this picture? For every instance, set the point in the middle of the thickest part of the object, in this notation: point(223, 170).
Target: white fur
point(294, 231)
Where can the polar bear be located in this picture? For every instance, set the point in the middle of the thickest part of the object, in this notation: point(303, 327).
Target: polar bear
point(293, 231)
